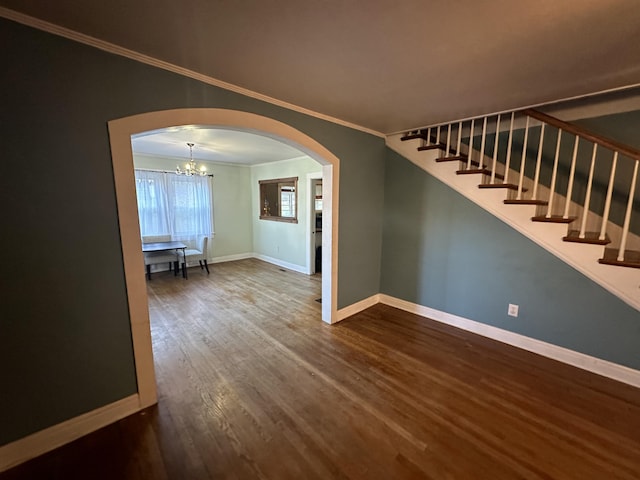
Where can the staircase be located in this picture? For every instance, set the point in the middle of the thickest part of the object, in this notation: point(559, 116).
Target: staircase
point(567, 189)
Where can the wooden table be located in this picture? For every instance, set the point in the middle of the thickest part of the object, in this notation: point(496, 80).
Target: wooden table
point(167, 246)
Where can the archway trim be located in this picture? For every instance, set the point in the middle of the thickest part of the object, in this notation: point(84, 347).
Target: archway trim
point(120, 132)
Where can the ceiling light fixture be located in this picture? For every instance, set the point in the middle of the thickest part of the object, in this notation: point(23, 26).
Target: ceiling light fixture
point(190, 168)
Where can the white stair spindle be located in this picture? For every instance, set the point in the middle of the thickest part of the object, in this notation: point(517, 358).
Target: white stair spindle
point(459, 139)
point(470, 146)
point(587, 197)
point(495, 151)
point(554, 175)
point(509, 143)
point(438, 136)
point(536, 179)
point(523, 162)
point(483, 143)
point(428, 136)
point(572, 175)
point(627, 216)
point(446, 153)
point(607, 202)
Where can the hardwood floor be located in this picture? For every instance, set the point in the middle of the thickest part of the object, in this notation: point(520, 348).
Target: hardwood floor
point(253, 385)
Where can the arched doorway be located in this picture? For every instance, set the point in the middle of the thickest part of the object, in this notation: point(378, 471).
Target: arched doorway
point(120, 132)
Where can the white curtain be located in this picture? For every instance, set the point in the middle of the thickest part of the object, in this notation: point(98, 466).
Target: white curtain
point(170, 204)
point(153, 208)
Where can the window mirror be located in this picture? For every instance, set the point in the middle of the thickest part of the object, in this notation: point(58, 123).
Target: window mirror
point(279, 199)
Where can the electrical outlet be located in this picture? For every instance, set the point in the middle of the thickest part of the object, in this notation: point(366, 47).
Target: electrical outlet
point(513, 310)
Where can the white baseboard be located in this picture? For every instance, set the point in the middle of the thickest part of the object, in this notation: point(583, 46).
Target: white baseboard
point(230, 258)
point(595, 365)
point(265, 258)
point(357, 307)
point(41, 442)
point(282, 263)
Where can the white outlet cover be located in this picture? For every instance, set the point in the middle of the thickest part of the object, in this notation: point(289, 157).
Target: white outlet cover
point(513, 310)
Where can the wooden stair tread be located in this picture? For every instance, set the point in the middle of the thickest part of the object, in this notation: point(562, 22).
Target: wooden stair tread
point(631, 258)
point(472, 171)
point(413, 136)
point(510, 186)
point(525, 201)
point(553, 219)
point(437, 146)
point(455, 158)
point(589, 237)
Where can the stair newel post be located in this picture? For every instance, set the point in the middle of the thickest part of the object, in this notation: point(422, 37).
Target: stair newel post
point(572, 175)
point(627, 215)
point(607, 202)
point(554, 175)
point(470, 152)
point(446, 153)
point(495, 152)
point(509, 144)
point(523, 161)
point(587, 197)
point(483, 143)
point(459, 139)
point(536, 179)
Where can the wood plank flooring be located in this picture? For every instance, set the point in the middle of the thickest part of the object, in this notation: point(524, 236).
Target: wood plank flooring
point(253, 385)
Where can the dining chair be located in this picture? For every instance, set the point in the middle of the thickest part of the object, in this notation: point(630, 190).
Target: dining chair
point(199, 253)
point(157, 258)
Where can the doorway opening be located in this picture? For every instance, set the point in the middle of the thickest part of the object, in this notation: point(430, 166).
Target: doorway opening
point(315, 196)
point(120, 132)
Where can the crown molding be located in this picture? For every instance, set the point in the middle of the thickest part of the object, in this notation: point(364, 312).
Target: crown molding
point(284, 160)
point(139, 57)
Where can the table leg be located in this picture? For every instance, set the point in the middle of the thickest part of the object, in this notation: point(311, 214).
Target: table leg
point(184, 263)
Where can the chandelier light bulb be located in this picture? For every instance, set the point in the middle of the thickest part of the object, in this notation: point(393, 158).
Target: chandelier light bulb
point(190, 168)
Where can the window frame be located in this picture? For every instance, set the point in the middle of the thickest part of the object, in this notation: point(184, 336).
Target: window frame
point(265, 208)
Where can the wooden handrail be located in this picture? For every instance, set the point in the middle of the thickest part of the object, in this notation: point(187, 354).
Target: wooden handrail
point(584, 133)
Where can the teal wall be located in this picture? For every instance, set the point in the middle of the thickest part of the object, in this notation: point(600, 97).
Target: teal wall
point(64, 327)
point(622, 127)
point(66, 343)
point(442, 251)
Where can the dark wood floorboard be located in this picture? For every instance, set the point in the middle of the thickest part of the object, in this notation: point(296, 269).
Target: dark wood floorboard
point(252, 385)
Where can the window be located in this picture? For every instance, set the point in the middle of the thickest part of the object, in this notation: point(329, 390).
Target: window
point(174, 205)
point(278, 199)
point(318, 196)
point(287, 201)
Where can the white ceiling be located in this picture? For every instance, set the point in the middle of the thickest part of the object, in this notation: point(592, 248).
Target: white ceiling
point(213, 145)
point(386, 65)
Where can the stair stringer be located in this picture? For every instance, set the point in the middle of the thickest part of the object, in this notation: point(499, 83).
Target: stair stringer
point(621, 282)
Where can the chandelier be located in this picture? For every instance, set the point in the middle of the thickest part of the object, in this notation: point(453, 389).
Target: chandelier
point(190, 168)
